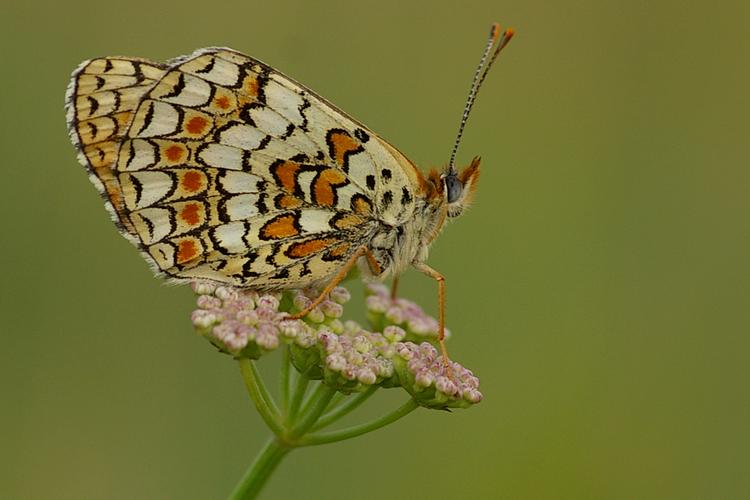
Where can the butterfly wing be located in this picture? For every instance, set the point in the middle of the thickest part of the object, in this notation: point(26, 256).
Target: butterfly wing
point(100, 101)
point(231, 171)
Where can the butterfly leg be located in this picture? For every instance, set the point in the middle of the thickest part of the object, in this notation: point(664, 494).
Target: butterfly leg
point(394, 287)
point(424, 268)
point(361, 252)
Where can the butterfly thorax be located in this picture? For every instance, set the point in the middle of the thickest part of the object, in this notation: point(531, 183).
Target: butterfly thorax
point(397, 247)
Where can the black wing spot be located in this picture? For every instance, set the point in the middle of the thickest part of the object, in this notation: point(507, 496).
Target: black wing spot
point(93, 105)
point(263, 143)
point(117, 98)
point(138, 188)
point(99, 82)
point(283, 274)
point(370, 180)
point(288, 132)
point(139, 76)
point(362, 135)
point(300, 158)
point(386, 174)
point(262, 80)
point(147, 119)
point(208, 67)
point(221, 209)
point(149, 227)
point(387, 199)
point(302, 107)
point(305, 269)
point(262, 205)
point(245, 113)
point(163, 253)
point(405, 196)
point(92, 129)
point(247, 271)
point(178, 88)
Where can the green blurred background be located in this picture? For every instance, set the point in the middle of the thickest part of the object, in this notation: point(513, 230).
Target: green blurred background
point(599, 287)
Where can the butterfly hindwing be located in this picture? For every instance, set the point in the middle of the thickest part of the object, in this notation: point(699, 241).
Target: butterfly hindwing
point(101, 98)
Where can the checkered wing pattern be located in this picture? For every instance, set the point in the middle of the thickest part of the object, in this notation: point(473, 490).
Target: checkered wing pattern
point(101, 99)
point(219, 167)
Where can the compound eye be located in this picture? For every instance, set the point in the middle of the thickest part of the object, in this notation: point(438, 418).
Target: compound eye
point(453, 188)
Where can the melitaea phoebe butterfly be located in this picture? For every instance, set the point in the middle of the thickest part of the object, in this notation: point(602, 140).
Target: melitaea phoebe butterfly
point(218, 167)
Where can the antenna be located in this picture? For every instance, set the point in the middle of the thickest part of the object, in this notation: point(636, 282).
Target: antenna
point(494, 40)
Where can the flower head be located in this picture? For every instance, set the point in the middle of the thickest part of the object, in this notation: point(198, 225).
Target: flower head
point(382, 311)
point(245, 322)
point(425, 376)
point(354, 359)
point(341, 353)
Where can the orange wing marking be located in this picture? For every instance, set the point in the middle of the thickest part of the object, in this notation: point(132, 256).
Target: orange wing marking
point(305, 248)
point(325, 186)
point(196, 125)
point(285, 173)
point(341, 145)
point(192, 181)
point(191, 213)
point(187, 250)
point(283, 226)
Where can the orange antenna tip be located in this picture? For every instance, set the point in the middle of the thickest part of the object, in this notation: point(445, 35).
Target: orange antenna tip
point(507, 35)
point(495, 31)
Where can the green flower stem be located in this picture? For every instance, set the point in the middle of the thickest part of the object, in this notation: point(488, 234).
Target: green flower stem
point(337, 398)
point(346, 407)
point(286, 380)
point(312, 398)
point(259, 473)
point(358, 430)
point(257, 391)
point(264, 391)
point(297, 396)
point(314, 408)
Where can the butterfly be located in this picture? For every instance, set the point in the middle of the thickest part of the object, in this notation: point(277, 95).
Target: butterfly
point(218, 167)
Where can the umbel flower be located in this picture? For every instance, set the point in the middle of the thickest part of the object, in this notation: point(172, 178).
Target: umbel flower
point(342, 354)
point(330, 365)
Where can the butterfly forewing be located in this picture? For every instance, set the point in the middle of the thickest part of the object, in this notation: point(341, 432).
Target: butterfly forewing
point(222, 168)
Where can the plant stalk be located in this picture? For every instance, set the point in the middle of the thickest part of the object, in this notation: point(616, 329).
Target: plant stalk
point(258, 393)
point(358, 430)
point(260, 471)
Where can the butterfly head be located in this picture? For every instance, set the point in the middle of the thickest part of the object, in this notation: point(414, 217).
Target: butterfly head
point(458, 187)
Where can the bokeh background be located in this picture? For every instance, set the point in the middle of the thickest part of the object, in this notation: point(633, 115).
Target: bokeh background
point(599, 287)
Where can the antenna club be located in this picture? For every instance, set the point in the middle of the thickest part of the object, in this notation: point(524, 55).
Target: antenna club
point(507, 35)
point(495, 31)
